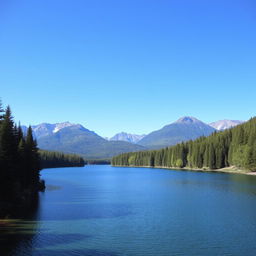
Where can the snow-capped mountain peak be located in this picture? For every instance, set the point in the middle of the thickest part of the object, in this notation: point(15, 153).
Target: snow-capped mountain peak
point(46, 129)
point(123, 136)
point(60, 126)
point(225, 124)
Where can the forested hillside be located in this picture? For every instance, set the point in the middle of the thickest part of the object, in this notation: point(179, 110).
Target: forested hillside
point(233, 147)
point(52, 159)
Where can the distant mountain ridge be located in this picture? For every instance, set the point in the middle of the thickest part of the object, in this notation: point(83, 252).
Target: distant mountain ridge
point(225, 124)
point(75, 138)
point(184, 129)
point(123, 136)
point(45, 129)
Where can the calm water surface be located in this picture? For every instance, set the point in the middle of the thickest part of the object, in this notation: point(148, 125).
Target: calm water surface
point(107, 211)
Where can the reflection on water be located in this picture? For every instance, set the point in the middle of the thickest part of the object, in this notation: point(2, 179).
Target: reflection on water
point(19, 232)
point(106, 211)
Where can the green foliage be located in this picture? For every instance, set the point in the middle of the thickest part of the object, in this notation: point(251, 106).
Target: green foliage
point(19, 160)
point(51, 159)
point(131, 160)
point(20, 163)
point(233, 147)
point(98, 161)
point(179, 163)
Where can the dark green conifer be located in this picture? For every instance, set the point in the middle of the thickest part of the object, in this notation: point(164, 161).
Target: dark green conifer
point(236, 146)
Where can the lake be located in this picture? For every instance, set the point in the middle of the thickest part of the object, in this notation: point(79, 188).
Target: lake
point(111, 211)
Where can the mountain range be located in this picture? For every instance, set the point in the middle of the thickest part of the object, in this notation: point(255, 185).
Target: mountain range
point(185, 128)
point(75, 138)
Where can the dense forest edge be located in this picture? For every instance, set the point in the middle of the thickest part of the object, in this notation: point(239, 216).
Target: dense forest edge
point(20, 165)
point(233, 147)
point(98, 161)
point(53, 159)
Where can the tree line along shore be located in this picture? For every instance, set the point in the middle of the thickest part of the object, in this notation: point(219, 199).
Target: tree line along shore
point(20, 165)
point(231, 150)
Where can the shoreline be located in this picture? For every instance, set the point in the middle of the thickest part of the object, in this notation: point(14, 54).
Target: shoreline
point(231, 169)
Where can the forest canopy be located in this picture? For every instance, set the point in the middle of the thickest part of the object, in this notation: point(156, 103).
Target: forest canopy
point(52, 159)
point(232, 147)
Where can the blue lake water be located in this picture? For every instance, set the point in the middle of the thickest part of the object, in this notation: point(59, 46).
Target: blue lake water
point(111, 211)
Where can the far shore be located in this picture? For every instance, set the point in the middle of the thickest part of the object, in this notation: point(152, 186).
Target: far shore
point(231, 169)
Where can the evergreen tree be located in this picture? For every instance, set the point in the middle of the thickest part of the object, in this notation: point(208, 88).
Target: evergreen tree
point(20, 163)
point(32, 157)
point(8, 153)
point(1, 111)
point(51, 159)
point(236, 146)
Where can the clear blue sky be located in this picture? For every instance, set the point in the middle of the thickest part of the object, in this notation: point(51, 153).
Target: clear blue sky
point(127, 65)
